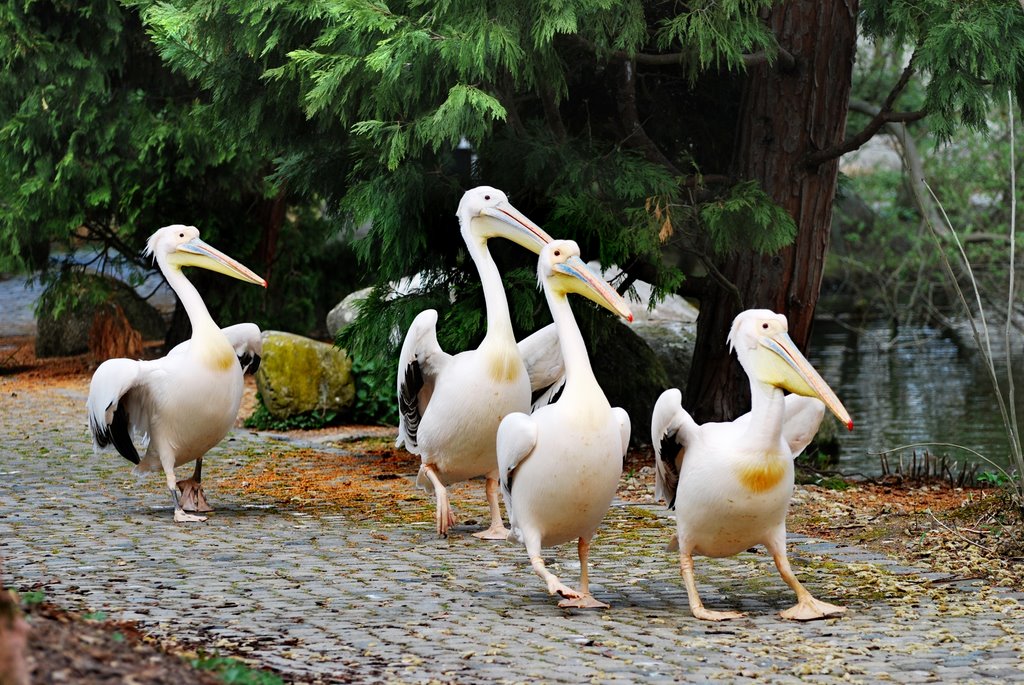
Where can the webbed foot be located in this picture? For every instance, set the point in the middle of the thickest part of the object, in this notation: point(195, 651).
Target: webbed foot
point(583, 602)
point(811, 610)
point(192, 497)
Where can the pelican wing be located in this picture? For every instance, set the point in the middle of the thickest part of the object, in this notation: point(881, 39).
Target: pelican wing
point(419, 363)
point(246, 340)
point(624, 426)
point(802, 418)
point(117, 406)
point(248, 344)
point(542, 356)
point(517, 436)
point(672, 430)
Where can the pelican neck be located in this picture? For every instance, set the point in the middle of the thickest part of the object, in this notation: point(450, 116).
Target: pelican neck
point(203, 324)
point(499, 322)
point(767, 410)
point(579, 375)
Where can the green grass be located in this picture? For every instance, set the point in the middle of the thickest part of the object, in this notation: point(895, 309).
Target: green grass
point(234, 672)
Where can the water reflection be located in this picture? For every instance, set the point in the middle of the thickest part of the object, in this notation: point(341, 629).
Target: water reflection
point(919, 387)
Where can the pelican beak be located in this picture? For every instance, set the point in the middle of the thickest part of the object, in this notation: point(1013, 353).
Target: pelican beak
point(780, 363)
point(197, 253)
point(582, 280)
point(513, 225)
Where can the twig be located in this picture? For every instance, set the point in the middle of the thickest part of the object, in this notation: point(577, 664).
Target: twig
point(963, 537)
point(943, 444)
point(1014, 427)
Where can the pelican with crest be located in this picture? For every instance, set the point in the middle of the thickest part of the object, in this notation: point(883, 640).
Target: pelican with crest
point(731, 482)
point(450, 405)
point(560, 466)
point(186, 402)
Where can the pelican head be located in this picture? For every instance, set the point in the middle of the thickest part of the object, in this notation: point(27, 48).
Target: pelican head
point(178, 246)
point(485, 213)
point(768, 355)
point(561, 268)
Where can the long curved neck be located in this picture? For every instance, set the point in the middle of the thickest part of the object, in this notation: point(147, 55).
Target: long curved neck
point(499, 323)
point(204, 329)
point(767, 410)
point(579, 375)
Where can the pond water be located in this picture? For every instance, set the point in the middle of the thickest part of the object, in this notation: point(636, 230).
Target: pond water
point(920, 387)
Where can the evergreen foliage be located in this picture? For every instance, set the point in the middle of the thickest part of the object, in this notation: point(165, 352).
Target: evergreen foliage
point(101, 144)
point(609, 122)
point(971, 53)
point(388, 91)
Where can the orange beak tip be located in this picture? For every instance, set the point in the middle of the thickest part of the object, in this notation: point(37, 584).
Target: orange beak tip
point(849, 426)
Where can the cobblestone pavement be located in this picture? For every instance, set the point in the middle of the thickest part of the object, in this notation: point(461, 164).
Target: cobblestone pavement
point(322, 596)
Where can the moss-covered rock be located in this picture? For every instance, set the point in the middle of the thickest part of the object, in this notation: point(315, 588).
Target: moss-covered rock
point(300, 375)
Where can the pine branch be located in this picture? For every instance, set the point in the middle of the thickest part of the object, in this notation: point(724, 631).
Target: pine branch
point(884, 116)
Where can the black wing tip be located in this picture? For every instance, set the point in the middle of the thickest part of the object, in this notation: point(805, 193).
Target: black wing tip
point(250, 362)
point(667, 452)
point(408, 401)
point(116, 433)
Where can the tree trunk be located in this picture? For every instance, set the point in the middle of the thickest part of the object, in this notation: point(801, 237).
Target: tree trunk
point(785, 116)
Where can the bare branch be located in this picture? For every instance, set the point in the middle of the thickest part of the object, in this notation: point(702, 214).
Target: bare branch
point(551, 114)
point(880, 119)
point(783, 58)
point(911, 161)
point(505, 91)
point(630, 117)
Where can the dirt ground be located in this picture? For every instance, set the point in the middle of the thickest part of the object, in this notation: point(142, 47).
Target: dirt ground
point(965, 533)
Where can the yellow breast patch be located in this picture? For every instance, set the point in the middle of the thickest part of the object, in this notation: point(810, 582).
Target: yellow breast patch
point(761, 475)
point(504, 367)
point(219, 358)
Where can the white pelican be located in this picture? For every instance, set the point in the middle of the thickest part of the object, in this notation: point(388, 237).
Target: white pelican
point(731, 482)
point(560, 466)
point(450, 406)
point(187, 401)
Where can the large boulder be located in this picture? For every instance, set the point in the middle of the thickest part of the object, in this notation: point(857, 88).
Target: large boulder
point(299, 375)
point(68, 333)
point(345, 311)
point(670, 329)
point(672, 343)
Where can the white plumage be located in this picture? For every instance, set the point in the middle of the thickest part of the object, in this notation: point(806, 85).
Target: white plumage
point(731, 482)
point(560, 466)
point(183, 404)
point(450, 405)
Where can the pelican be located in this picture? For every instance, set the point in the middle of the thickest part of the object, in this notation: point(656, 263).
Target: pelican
point(560, 466)
point(731, 482)
point(450, 405)
point(186, 401)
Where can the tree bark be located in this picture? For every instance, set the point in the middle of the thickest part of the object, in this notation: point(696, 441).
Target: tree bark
point(786, 116)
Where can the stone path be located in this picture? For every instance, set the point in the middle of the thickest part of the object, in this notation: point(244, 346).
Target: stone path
point(323, 596)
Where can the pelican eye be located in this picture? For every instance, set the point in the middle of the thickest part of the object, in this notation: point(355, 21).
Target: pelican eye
point(487, 197)
point(558, 253)
point(764, 326)
point(181, 235)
